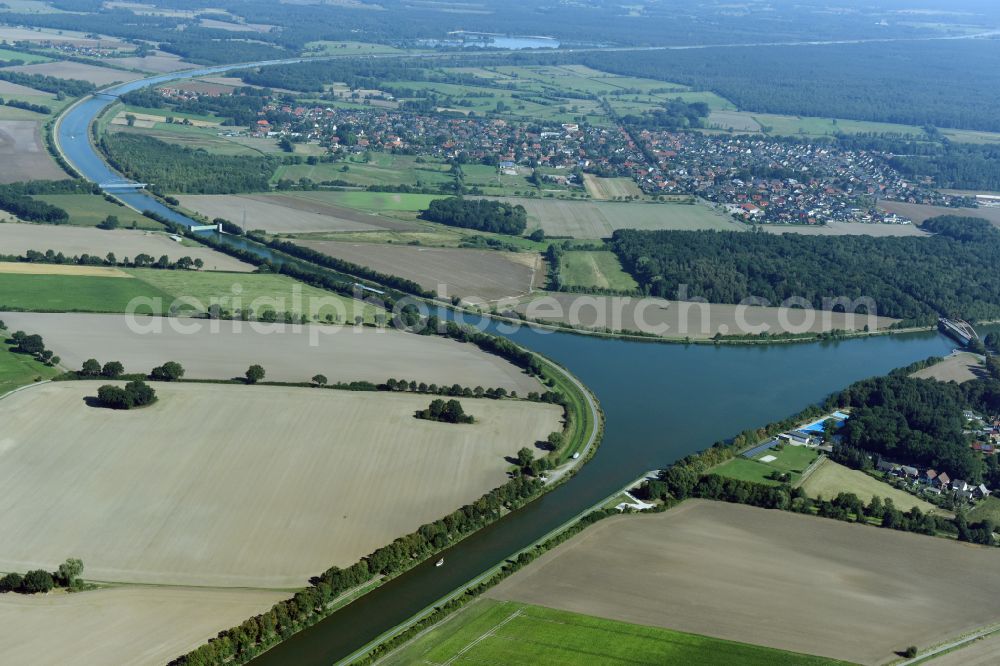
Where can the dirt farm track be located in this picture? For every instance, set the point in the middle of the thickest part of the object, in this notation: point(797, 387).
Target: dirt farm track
point(773, 578)
point(288, 353)
point(238, 486)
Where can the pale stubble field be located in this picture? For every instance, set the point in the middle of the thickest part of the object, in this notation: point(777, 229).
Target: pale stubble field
point(238, 486)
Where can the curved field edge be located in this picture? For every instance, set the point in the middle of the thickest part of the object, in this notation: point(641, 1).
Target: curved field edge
point(337, 588)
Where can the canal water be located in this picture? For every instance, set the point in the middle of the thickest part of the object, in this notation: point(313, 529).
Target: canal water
point(661, 402)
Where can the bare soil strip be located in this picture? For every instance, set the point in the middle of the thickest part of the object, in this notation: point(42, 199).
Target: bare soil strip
point(474, 275)
point(23, 156)
point(287, 214)
point(677, 319)
point(771, 578)
point(61, 269)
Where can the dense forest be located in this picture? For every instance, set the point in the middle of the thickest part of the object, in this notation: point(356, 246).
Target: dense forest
point(493, 216)
point(170, 168)
point(953, 83)
point(911, 278)
point(920, 422)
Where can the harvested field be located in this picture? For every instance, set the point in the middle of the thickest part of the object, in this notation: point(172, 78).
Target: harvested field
point(287, 214)
point(23, 155)
point(920, 212)
point(599, 219)
point(288, 353)
point(958, 367)
point(474, 275)
point(603, 189)
point(736, 120)
point(12, 34)
point(74, 241)
point(831, 478)
point(771, 578)
point(158, 62)
point(122, 625)
point(8, 88)
point(61, 269)
point(65, 69)
point(680, 319)
point(239, 486)
point(846, 229)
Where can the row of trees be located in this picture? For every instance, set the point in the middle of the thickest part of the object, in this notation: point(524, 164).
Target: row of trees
point(32, 345)
point(40, 581)
point(910, 278)
point(52, 84)
point(141, 260)
point(27, 106)
point(480, 214)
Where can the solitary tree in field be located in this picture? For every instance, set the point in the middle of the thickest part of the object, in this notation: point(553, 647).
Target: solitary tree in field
point(255, 373)
point(524, 456)
point(69, 571)
point(91, 368)
point(319, 380)
point(112, 370)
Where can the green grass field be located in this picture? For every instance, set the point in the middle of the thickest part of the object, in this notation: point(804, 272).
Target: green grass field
point(73, 293)
point(792, 460)
point(28, 58)
point(495, 632)
point(18, 369)
point(89, 210)
point(832, 478)
point(256, 291)
point(987, 509)
point(594, 268)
